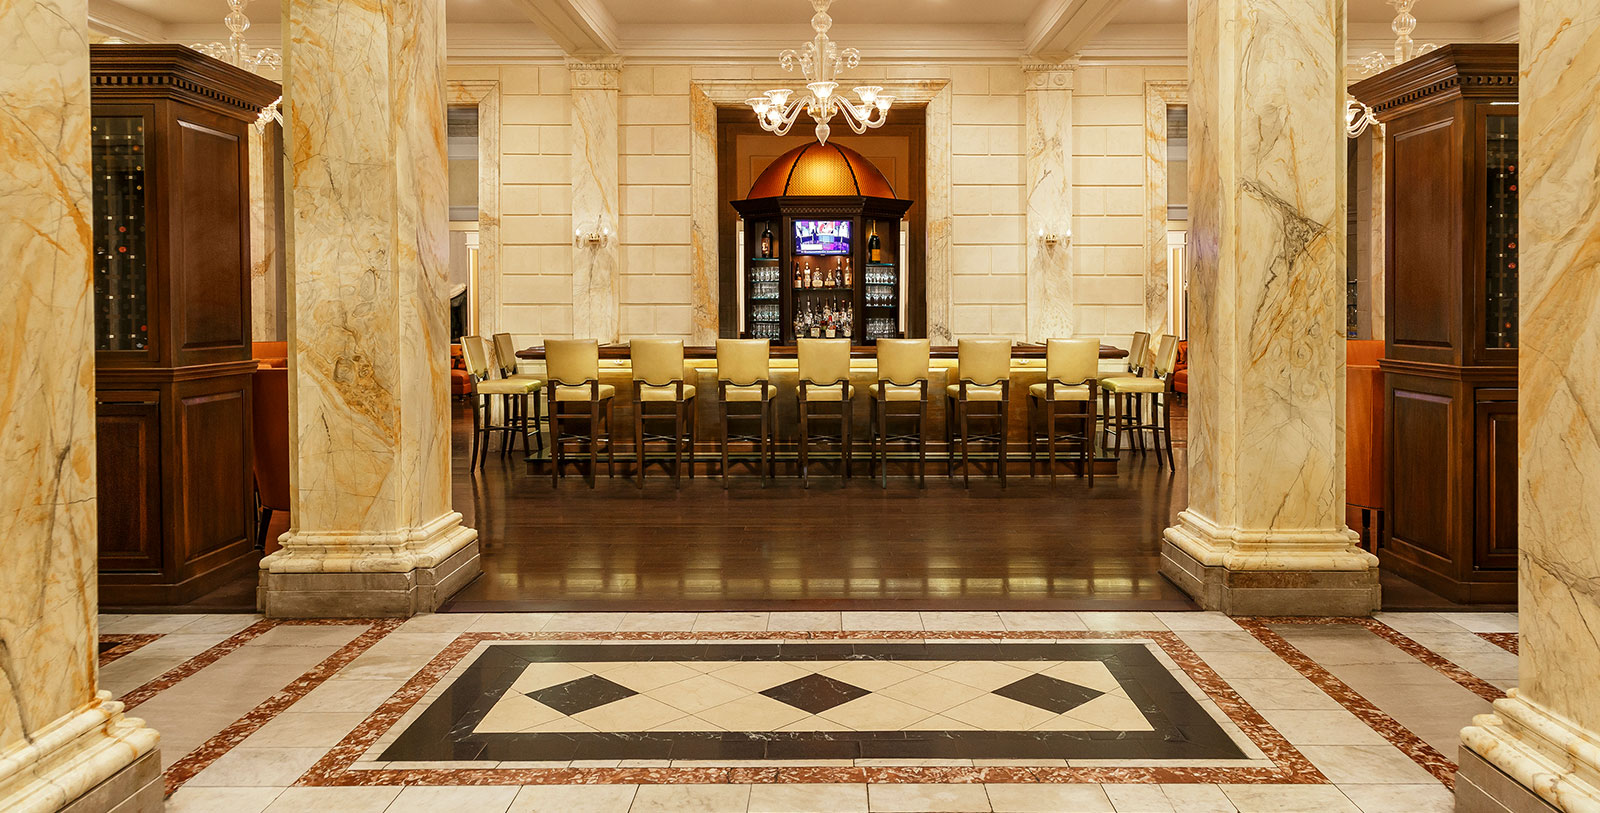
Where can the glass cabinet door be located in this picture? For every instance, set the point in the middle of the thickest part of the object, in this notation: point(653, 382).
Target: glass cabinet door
point(1500, 233)
point(881, 280)
point(121, 313)
point(763, 304)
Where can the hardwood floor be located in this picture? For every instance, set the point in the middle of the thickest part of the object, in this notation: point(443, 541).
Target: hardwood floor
point(1031, 546)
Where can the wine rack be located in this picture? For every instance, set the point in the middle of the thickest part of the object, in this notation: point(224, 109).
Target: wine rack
point(121, 287)
point(1500, 233)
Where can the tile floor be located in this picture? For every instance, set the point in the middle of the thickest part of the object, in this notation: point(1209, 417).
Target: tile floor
point(813, 711)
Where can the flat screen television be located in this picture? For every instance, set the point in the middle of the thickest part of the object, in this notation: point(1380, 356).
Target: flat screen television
point(822, 237)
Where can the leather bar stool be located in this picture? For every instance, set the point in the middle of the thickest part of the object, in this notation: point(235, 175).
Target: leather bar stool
point(1157, 385)
point(985, 370)
point(1070, 370)
point(902, 379)
point(476, 352)
point(1137, 362)
point(573, 366)
point(824, 378)
point(658, 379)
point(744, 377)
point(505, 352)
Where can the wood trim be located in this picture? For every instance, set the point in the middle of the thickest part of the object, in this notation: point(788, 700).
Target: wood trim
point(180, 74)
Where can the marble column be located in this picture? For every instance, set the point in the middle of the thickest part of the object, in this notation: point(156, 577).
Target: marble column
point(1047, 90)
point(373, 532)
point(940, 257)
point(596, 266)
point(60, 739)
point(1540, 748)
point(704, 262)
point(1264, 532)
point(267, 288)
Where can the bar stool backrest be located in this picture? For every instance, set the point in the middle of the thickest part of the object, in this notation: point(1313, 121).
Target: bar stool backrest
point(657, 362)
point(1137, 351)
point(824, 361)
point(572, 361)
point(903, 361)
point(984, 361)
point(506, 351)
point(476, 353)
point(743, 362)
point(1072, 361)
point(1166, 356)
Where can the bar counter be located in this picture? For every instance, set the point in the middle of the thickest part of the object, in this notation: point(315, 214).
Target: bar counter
point(1018, 351)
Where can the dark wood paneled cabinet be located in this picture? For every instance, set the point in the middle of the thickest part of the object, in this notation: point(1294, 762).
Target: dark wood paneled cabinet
point(171, 209)
point(1450, 363)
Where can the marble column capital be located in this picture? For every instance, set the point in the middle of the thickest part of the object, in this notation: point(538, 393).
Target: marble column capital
point(595, 74)
point(1042, 77)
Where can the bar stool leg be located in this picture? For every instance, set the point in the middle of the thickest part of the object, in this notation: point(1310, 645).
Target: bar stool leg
point(1050, 427)
point(805, 446)
point(844, 434)
point(722, 411)
point(477, 428)
point(766, 408)
point(555, 445)
point(1116, 432)
point(966, 473)
point(594, 441)
point(1033, 439)
point(872, 444)
point(922, 447)
point(677, 444)
point(1166, 427)
point(694, 431)
point(538, 432)
point(611, 437)
point(638, 440)
point(950, 437)
point(1005, 421)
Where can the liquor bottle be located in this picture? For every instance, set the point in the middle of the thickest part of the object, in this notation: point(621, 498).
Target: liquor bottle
point(766, 241)
point(846, 281)
point(799, 281)
point(874, 248)
point(816, 324)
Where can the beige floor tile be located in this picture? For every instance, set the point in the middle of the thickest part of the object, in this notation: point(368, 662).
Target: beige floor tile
point(760, 675)
point(304, 730)
point(939, 722)
point(812, 722)
point(991, 712)
point(440, 622)
point(1196, 620)
point(985, 675)
point(1366, 765)
point(344, 800)
point(1198, 798)
point(1034, 621)
point(1483, 622)
point(752, 712)
point(453, 800)
point(879, 621)
point(637, 713)
point(961, 621)
point(583, 622)
point(804, 621)
point(691, 799)
point(730, 622)
point(698, 693)
point(1303, 727)
point(1113, 712)
point(932, 692)
point(258, 767)
point(875, 712)
point(1419, 622)
point(927, 798)
point(516, 712)
point(1040, 798)
point(148, 624)
point(1137, 798)
point(794, 798)
point(225, 623)
point(1288, 799)
point(687, 722)
point(874, 676)
point(1427, 798)
point(1261, 665)
point(195, 799)
point(1123, 621)
point(676, 622)
point(510, 622)
point(573, 798)
point(339, 694)
point(1204, 641)
point(643, 677)
point(544, 675)
point(1274, 693)
point(295, 635)
point(1089, 674)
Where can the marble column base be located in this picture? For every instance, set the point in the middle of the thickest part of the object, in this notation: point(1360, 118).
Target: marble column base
point(1523, 758)
point(92, 762)
point(1320, 573)
point(373, 575)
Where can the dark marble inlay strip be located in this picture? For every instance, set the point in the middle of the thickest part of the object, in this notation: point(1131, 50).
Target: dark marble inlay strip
point(115, 645)
point(1289, 765)
point(224, 741)
point(1504, 640)
point(1401, 737)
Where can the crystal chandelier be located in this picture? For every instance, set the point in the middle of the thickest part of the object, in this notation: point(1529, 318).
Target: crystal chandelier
point(1358, 117)
point(821, 60)
point(236, 53)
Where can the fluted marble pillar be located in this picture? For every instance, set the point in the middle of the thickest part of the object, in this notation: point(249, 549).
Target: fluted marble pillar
point(373, 532)
point(1545, 735)
point(59, 737)
point(1047, 90)
point(596, 267)
point(1264, 532)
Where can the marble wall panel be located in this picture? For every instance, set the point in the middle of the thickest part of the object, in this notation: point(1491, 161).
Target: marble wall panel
point(940, 258)
point(1158, 96)
point(1050, 302)
point(485, 95)
point(596, 268)
point(57, 737)
point(1546, 734)
point(704, 262)
point(267, 288)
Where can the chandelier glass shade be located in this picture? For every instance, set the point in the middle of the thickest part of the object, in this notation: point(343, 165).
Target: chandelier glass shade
point(236, 53)
point(821, 61)
point(1358, 117)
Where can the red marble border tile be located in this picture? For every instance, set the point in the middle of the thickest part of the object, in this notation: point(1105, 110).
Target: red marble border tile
point(224, 741)
point(335, 767)
point(1444, 666)
point(1504, 640)
point(126, 644)
point(1401, 737)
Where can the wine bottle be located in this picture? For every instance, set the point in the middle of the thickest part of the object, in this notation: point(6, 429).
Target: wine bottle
point(766, 241)
point(874, 248)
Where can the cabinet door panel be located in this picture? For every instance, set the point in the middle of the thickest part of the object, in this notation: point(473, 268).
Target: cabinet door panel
point(129, 479)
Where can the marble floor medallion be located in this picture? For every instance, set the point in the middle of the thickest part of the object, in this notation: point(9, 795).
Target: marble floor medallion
point(786, 702)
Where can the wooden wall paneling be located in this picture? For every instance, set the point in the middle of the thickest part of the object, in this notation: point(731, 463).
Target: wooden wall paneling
point(128, 473)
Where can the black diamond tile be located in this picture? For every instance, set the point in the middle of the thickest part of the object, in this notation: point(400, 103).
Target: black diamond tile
point(582, 694)
point(1048, 693)
point(815, 693)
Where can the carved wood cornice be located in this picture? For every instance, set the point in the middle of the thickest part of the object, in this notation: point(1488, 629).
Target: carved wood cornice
point(1485, 72)
point(133, 73)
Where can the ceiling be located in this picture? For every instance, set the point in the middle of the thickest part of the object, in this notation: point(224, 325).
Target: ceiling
point(892, 29)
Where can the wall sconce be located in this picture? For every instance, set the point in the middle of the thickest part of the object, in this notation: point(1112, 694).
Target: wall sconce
point(596, 237)
point(1050, 238)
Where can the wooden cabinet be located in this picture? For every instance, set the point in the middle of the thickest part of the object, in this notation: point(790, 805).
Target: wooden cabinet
point(171, 221)
point(1450, 357)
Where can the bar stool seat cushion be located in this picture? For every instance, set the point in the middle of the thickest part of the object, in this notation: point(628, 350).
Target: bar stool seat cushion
point(649, 393)
point(749, 392)
point(581, 392)
point(509, 386)
point(525, 377)
point(1064, 392)
point(990, 392)
point(818, 392)
point(897, 393)
point(1131, 384)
